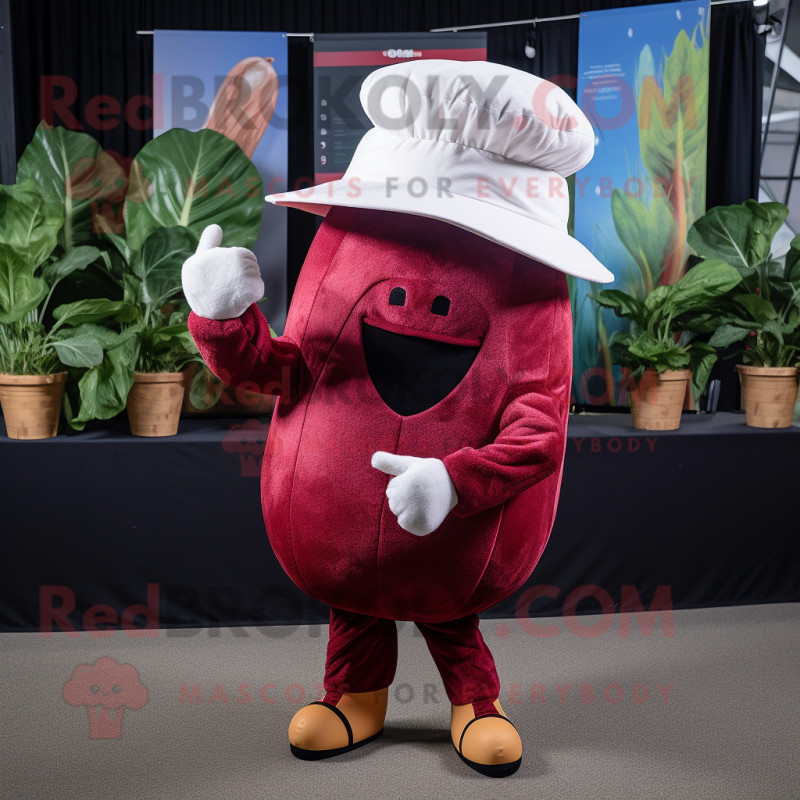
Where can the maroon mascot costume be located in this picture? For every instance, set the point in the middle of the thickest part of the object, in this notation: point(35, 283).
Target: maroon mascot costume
point(414, 458)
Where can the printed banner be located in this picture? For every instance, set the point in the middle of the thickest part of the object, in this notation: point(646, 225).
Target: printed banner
point(235, 83)
point(343, 60)
point(643, 84)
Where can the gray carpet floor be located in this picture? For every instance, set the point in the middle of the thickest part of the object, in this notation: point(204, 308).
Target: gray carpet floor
point(729, 727)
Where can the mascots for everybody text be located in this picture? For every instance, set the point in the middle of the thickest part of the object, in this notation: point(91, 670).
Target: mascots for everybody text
point(415, 453)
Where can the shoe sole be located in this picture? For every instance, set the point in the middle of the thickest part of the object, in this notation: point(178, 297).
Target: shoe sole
point(317, 755)
point(491, 770)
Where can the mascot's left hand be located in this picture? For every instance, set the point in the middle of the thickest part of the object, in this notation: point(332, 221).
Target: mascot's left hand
point(421, 494)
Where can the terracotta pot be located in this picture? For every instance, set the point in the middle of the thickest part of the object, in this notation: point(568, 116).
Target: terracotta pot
point(657, 400)
point(32, 404)
point(769, 395)
point(154, 403)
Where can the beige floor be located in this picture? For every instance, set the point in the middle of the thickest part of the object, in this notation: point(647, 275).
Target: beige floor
point(729, 728)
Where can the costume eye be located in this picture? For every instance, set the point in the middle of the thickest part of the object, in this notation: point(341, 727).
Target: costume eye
point(397, 297)
point(441, 305)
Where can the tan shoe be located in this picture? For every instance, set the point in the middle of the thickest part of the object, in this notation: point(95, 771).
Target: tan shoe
point(320, 730)
point(489, 745)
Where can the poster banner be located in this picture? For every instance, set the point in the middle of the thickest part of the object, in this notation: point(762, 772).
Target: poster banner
point(343, 60)
point(235, 83)
point(643, 84)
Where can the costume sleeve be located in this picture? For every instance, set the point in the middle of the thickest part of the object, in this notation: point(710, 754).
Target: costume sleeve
point(242, 351)
point(528, 449)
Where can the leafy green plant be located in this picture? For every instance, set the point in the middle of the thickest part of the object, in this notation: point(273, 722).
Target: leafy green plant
point(652, 341)
point(764, 311)
point(664, 194)
point(145, 226)
point(155, 338)
point(30, 226)
point(672, 108)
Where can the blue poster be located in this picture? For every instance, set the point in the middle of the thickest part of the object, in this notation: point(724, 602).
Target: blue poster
point(643, 84)
point(195, 74)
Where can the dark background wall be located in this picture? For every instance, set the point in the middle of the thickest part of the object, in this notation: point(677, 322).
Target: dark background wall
point(90, 48)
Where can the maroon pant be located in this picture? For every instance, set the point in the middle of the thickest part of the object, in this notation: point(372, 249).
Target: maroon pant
point(362, 657)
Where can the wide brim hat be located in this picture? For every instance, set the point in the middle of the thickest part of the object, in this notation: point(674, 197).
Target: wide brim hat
point(478, 145)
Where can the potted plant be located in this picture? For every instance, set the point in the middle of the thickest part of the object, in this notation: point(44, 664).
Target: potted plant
point(763, 311)
point(161, 345)
point(33, 354)
point(146, 223)
point(657, 362)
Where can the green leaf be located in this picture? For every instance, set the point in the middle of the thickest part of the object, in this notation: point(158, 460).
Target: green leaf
point(645, 232)
point(158, 265)
point(94, 310)
point(624, 305)
point(193, 180)
point(792, 265)
point(702, 283)
point(104, 388)
point(772, 326)
point(77, 258)
point(785, 289)
point(697, 321)
point(656, 299)
point(79, 351)
point(105, 337)
point(651, 352)
point(72, 169)
point(673, 120)
point(172, 334)
point(645, 65)
point(29, 225)
point(759, 309)
point(726, 335)
point(741, 235)
point(201, 379)
point(702, 357)
point(792, 321)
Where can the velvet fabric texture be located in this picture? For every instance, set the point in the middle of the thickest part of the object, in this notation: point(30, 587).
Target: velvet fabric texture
point(500, 432)
point(362, 657)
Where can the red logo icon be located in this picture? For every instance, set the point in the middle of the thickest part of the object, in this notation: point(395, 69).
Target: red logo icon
point(248, 440)
point(106, 688)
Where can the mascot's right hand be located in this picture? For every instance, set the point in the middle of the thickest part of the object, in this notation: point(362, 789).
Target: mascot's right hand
point(221, 282)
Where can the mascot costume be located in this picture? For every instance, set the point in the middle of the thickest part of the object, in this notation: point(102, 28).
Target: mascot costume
point(415, 452)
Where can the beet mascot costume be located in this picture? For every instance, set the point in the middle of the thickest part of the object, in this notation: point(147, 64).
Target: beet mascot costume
point(414, 457)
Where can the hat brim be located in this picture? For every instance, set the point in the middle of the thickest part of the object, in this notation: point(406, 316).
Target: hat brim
point(500, 225)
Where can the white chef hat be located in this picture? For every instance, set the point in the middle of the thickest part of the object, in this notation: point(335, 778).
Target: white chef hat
point(479, 145)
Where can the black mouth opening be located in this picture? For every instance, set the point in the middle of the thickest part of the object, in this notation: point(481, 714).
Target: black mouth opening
point(410, 373)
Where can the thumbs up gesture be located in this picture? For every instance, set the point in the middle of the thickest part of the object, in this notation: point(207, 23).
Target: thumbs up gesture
point(421, 494)
point(221, 282)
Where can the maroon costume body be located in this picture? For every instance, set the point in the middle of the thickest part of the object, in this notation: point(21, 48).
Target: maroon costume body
point(500, 433)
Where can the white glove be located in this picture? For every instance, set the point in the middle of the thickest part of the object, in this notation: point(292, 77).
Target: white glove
point(221, 282)
point(421, 495)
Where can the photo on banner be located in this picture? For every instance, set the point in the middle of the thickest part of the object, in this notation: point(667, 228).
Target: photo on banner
point(237, 84)
point(341, 63)
point(643, 84)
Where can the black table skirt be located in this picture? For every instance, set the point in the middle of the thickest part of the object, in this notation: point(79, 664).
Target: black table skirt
point(703, 516)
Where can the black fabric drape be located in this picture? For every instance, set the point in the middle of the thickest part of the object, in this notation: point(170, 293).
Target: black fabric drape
point(8, 156)
point(556, 56)
point(735, 97)
point(210, 564)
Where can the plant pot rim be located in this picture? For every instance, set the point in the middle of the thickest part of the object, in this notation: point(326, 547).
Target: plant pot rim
point(159, 377)
point(32, 380)
point(671, 374)
point(747, 369)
